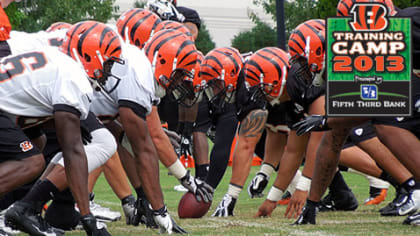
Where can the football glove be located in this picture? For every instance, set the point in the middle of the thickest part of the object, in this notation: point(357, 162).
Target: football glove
point(186, 129)
point(166, 223)
point(92, 228)
point(143, 214)
point(308, 214)
point(225, 207)
point(257, 185)
point(165, 10)
point(201, 190)
point(311, 123)
point(174, 138)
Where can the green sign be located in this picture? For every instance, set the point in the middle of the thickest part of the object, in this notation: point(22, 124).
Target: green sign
point(369, 66)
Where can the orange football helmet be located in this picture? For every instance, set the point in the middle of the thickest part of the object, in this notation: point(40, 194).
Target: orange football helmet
point(173, 56)
point(58, 26)
point(344, 6)
point(137, 25)
point(169, 24)
point(96, 47)
point(220, 71)
point(267, 69)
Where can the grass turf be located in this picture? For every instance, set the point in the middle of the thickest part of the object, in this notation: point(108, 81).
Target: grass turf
point(366, 220)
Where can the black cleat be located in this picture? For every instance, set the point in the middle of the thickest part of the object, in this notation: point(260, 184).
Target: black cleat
point(339, 201)
point(412, 220)
point(144, 214)
point(92, 227)
point(393, 207)
point(23, 217)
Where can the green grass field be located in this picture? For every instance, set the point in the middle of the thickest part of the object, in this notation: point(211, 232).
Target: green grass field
point(366, 220)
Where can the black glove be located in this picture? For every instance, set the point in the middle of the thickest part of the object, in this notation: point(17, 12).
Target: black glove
point(86, 136)
point(143, 214)
point(308, 214)
point(186, 129)
point(311, 123)
point(174, 138)
point(257, 185)
point(201, 189)
point(91, 227)
point(166, 223)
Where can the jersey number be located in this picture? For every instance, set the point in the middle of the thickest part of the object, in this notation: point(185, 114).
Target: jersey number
point(13, 66)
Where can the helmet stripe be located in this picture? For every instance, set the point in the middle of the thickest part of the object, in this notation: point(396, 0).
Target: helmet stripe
point(275, 54)
point(138, 23)
point(299, 45)
point(274, 63)
point(321, 37)
point(235, 63)
point(128, 19)
point(82, 39)
point(215, 59)
point(71, 37)
point(162, 42)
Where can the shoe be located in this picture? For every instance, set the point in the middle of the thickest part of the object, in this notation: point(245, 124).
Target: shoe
point(392, 208)
point(129, 208)
point(5, 230)
point(103, 213)
point(376, 198)
point(413, 219)
point(180, 188)
point(342, 200)
point(285, 199)
point(23, 217)
point(411, 205)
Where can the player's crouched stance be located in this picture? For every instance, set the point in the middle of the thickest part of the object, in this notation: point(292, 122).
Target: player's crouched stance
point(55, 86)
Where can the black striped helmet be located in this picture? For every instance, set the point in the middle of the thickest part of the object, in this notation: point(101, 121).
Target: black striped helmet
point(173, 56)
point(96, 46)
point(267, 68)
point(137, 25)
point(307, 41)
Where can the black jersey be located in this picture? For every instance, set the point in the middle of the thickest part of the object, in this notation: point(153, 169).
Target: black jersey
point(414, 13)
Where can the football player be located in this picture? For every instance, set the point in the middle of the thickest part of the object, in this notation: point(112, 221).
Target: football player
point(46, 89)
point(402, 144)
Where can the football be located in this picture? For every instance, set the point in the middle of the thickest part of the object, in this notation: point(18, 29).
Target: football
point(189, 207)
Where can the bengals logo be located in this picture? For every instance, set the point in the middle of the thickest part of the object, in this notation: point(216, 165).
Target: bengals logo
point(369, 17)
point(26, 146)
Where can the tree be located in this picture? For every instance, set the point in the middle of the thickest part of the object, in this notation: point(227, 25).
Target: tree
point(296, 11)
point(32, 16)
point(261, 35)
point(204, 41)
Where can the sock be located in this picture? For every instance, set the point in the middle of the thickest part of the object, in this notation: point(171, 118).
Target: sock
point(234, 190)
point(409, 184)
point(140, 192)
point(310, 203)
point(40, 193)
point(338, 183)
point(377, 183)
point(388, 178)
point(201, 171)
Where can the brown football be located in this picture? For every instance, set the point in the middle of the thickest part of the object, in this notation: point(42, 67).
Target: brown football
point(189, 207)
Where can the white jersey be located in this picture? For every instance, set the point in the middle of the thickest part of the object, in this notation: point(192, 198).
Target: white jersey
point(136, 84)
point(23, 42)
point(32, 83)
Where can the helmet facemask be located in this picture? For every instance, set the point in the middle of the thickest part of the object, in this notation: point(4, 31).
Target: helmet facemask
point(102, 76)
point(218, 93)
point(180, 86)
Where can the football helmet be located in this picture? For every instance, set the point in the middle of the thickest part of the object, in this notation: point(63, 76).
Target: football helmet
point(219, 72)
point(58, 26)
point(307, 47)
point(344, 6)
point(97, 47)
point(173, 57)
point(169, 24)
point(137, 25)
point(267, 69)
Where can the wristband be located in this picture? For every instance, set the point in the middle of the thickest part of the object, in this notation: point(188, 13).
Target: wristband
point(304, 183)
point(275, 194)
point(177, 169)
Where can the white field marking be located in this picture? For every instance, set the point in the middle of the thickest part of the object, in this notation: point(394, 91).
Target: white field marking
point(104, 202)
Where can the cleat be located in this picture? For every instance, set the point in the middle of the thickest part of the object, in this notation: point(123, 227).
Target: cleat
point(411, 205)
point(23, 217)
point(392, 208)
point(180, 188)
point(5, 230)
point(103, 213)
point(412, 220)
point(339, 201)
point(285, 199)
point(377, 199)
point(308, 215)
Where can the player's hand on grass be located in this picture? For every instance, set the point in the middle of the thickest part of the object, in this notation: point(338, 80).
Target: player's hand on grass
point(201, 190)
point(297, 202)
point(166, 223)
point(266, 208)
